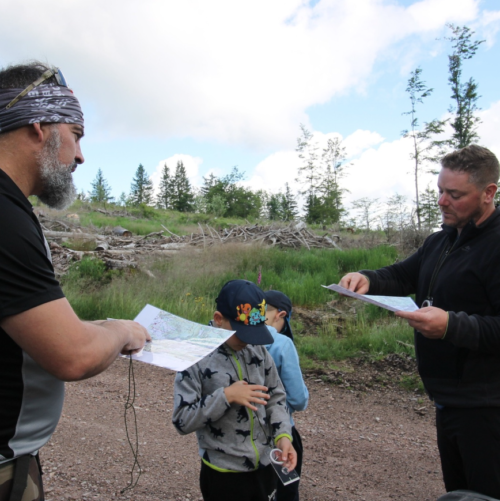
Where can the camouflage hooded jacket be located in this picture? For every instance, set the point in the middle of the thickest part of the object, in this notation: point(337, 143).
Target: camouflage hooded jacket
point(231, 437)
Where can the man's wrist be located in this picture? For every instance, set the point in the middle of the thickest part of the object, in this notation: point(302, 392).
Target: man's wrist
point(447, 323)
point(366, 276)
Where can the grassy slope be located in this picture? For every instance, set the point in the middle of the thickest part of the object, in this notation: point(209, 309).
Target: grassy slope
point(188, 283)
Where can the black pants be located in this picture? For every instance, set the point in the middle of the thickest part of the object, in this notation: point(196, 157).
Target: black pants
point(257, 485)
point(290, 492)
point(469, 445)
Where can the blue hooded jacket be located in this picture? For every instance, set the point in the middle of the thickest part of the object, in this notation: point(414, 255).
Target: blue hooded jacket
point(286, 360)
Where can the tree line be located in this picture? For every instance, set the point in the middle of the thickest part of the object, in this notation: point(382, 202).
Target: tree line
point(221, 196)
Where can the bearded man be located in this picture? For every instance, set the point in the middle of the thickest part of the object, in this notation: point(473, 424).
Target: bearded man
point(456, 278)
point(42, 341)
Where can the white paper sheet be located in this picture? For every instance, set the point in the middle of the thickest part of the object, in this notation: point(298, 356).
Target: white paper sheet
point(391, 303)
point(177, 343)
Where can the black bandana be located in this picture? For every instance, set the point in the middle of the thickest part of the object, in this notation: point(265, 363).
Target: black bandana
point(46, 103)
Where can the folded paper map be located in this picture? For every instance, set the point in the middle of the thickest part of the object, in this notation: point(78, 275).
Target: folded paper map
point(177, 343)
point(391, 303)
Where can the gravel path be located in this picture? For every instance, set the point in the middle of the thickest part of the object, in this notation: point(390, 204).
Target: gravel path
point(364, 439)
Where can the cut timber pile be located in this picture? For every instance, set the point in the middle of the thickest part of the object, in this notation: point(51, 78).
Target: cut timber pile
point(120, 250)
point(293, 235)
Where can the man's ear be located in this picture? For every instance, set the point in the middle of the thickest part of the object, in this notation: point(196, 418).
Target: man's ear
point(490, 192)
point(281, 314)
point(218, 317)
point(41, 132)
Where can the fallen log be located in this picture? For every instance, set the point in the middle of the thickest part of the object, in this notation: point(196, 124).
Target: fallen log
point(73, 234)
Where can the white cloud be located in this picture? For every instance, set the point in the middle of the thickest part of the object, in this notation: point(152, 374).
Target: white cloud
point(433, 14)
point(275, 171)
point(488, 130)
point(384, 171)
point(490, 25)
point(235, 72)
point(360, 140)
point(191, 164)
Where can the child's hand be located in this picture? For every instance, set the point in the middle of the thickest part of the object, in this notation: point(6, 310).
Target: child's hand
point(288, 453)
point(245, 394)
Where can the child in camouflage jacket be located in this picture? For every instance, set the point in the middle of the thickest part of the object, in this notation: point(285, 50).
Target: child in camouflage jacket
point(234, 400)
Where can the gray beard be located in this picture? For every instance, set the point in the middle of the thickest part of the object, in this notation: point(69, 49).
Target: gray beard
point(58, 189)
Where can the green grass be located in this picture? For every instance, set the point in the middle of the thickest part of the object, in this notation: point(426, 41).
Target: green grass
point(145, 219)
point(136, 226)
point(358, 338)
point(300, 273)
point(188, 283)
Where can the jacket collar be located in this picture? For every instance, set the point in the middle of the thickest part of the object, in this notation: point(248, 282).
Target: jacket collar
point(470, 230)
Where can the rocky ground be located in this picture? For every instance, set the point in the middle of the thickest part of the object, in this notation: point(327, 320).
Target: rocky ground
point(365, 438)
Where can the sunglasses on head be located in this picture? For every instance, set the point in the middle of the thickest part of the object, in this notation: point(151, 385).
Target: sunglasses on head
point(55, 72)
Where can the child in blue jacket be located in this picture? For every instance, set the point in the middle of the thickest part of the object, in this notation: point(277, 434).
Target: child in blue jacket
point(284, 353)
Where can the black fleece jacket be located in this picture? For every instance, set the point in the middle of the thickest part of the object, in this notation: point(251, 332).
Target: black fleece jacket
point(463, 369)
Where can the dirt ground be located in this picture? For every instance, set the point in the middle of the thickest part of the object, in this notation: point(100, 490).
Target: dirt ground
point(364, 439)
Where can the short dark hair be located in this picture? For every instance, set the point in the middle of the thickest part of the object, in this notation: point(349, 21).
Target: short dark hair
point(480, 163)
point(19, 76)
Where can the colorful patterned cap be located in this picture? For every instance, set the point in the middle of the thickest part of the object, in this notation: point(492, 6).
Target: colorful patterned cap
point(244, 305)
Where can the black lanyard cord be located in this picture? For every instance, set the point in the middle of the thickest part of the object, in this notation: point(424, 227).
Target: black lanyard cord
point(444, 254)
point(129, 405)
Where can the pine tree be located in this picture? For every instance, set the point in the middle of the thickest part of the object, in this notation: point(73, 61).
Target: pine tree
point(289, 205)
point(141, 190)
point(208, 183)
point(464, 94)
point(100, 189)
point(164, 197)
point(331, 193)
point(309, 175)
point(314, 210)
point(274, 208)
point(123, 200)
point(280, 206)
point(182, 197)
point(429, 209)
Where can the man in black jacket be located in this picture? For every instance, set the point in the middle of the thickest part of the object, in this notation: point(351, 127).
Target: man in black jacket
point(456, 278)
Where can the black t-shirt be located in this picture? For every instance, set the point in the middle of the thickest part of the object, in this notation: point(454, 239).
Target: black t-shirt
point(26, 274)
point(26, 280)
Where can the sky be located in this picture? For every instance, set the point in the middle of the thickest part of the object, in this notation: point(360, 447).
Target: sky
point(228, 83)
